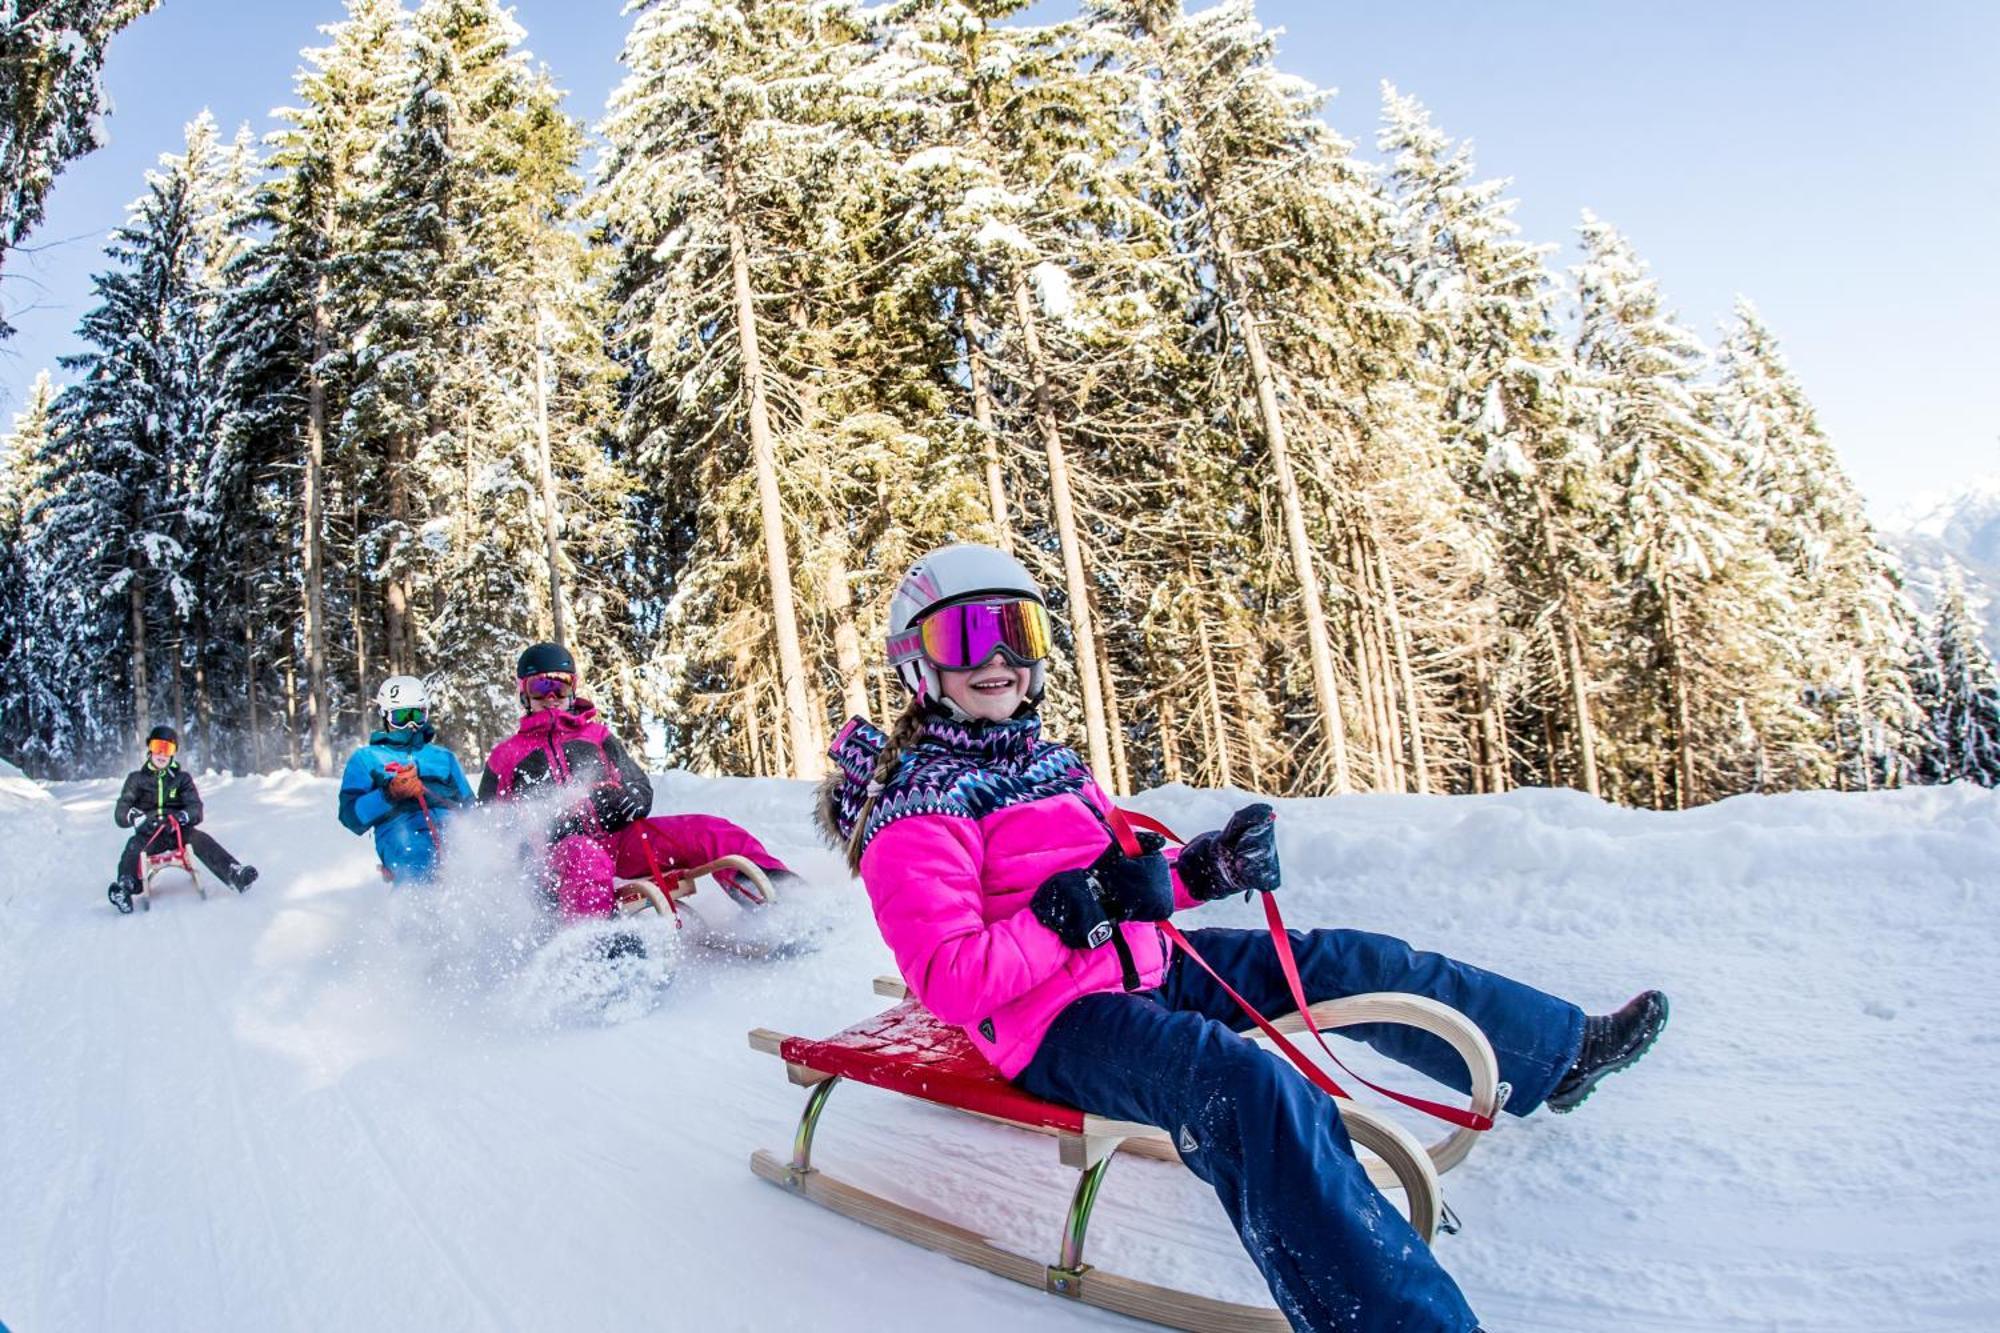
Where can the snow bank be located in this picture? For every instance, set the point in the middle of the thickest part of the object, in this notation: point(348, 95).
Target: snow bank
point(321, 1106)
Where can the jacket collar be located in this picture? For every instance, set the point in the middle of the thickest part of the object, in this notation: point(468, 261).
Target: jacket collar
point(559, 721)
point(997, 745)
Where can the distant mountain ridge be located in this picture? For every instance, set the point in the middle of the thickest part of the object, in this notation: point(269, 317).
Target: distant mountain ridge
point(1962, 527)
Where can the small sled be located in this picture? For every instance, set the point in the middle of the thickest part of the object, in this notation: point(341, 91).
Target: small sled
point(906, 1049)
point(153, 864)
point(659, 892)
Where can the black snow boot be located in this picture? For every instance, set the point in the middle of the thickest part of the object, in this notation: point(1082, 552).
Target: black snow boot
point(120, 893)
point(242, 877)
point(1610, 1043)
point(622, 945)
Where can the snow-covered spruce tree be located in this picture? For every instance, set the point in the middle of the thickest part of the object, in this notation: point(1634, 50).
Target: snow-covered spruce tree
point(1853, 626)
point(718, 183)
point(1958, 690)
point(1193, 79)
point(292, 319)
point(1704, 674)
point(1505, 380)
point(443, 421)
point(1011, 222)
point(51, 62)
point(478, 385)
point(1313, 349)
point(113, 535)
point(32, 724)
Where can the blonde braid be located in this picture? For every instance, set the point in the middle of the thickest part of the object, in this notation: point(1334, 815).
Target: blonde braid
point(905, 731)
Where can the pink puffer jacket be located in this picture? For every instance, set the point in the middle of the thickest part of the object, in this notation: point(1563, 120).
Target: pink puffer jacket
point(974, 821)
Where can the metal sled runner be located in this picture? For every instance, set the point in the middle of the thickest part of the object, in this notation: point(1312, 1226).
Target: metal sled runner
point(908, 1050)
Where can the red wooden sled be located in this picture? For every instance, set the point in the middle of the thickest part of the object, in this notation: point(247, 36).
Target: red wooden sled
point(152, 863)
point(908, 1050)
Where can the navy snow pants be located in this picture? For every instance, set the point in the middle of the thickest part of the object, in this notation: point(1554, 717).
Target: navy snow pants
point(1337, 1256)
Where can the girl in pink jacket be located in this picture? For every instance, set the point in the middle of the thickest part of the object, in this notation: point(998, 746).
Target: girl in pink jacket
point(999, 884)
point(604, 830)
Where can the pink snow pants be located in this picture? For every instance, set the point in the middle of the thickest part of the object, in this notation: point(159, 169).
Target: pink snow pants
point(586, 869)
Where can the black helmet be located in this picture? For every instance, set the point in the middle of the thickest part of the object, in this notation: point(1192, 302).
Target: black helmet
point(164, 733)
point(543, 658)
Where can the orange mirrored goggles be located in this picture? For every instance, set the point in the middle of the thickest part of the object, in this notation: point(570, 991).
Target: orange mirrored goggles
point(164, 749)
point(548, 684)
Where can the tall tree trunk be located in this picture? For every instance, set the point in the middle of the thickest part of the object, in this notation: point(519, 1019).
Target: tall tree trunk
point(203, 719)
point(1319, 642)
point(312, 554)
point(752, 713)
point(1372, 666)
point(983, 418)
point(1405, 672)
point(142, 693)
point(1170, 747)
point(292, 710)
point(1218, 723)
point(356, 615)
point(250, 675)
point(846, 638)
point(777, 553)
point(1677, 700)
point(1156, 22)
point(395, 581)
point(550, 517)
point(1492, 733)
point(1088, 671)
point(1571, 637)
point(1858, 691)
point(180, 692)
point(1121, 770)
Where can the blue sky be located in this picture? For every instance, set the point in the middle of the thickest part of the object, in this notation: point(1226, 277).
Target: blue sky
point(1832, 159)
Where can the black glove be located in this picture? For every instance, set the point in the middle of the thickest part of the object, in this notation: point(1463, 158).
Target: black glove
point(1242, 858)
point(145, 823)
point(1067, 904)
point(1082, 905)
point(618, 805)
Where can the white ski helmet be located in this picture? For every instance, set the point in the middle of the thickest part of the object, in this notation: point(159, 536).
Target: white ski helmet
point(402, 692)
point(947, 576)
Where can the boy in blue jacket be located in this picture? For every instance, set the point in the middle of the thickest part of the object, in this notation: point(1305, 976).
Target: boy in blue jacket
point(402, 786)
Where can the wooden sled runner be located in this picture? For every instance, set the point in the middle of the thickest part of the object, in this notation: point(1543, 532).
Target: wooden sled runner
point(659, 893)
point(908, 1050)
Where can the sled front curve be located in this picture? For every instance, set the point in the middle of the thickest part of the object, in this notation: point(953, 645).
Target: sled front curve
point(151, 864)
point(906, 1049)
point(643, 893)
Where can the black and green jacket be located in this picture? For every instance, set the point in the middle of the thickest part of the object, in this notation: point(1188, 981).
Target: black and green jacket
point(154, 792)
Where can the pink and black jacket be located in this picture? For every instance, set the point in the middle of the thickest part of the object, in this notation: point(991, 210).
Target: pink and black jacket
point(564, 748)
point(977, 816)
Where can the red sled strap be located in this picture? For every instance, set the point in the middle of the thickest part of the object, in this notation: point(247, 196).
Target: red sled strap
point(1122, 824)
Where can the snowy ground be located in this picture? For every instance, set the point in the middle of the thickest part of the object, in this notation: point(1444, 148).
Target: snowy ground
point(311, 1108)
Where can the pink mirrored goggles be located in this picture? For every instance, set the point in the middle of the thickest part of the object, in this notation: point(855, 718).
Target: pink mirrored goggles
point(959, 638)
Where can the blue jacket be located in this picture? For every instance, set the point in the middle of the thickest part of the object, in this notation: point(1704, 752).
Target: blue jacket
point(364, 786)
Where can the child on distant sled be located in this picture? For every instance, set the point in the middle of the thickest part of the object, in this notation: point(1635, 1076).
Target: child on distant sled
point(403, 785)
point(1019, 909)
point(604, 831)
point(159, 802)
